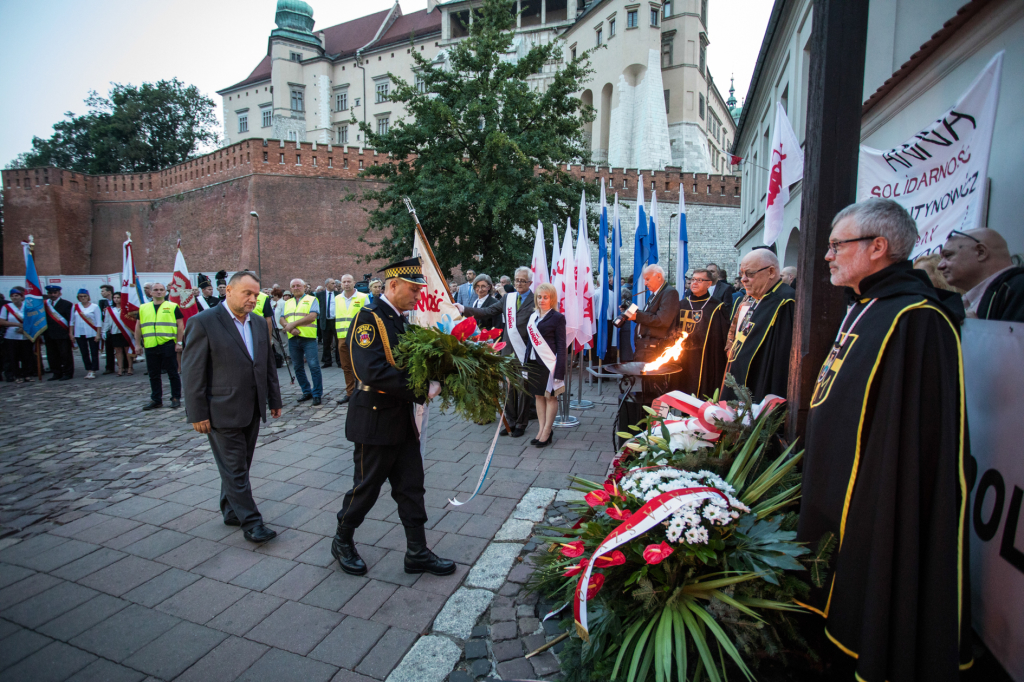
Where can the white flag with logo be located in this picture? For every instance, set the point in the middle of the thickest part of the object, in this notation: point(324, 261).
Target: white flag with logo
point(785, 167)
point(539, 265)
point(435, 300)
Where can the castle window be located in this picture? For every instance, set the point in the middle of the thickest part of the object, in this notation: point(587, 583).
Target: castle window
point(382, 125)
point(268, 117)
point(701, 109)
point(341, 101)
point(600, 37)
point(296, 56)
point(611, 28)
point(631, 19)
point(667, 9)
point(666, 54)
point(293, 136)
point(297, 100)
point(421, 84)
point(654, 17)
point(343, 134)
point(243, 123)
point(382, 92)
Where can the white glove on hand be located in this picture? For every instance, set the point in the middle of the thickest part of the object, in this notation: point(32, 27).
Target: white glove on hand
point(435, 389)
point(559, 384)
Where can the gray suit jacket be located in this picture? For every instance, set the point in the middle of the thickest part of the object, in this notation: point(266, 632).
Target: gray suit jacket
point(497, 311)
point(220, 381)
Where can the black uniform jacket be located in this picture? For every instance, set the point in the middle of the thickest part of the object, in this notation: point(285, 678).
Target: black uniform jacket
point(53, 330)
point(382, 415)
point(1004, 298)
point(659, 318)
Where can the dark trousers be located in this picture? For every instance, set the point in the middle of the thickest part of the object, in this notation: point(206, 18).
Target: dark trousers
point(59, 354)
point(19, 361)
point(330, 344)
point(162, 358)
point(345, 362)
point(232, 450)
point(109, 350)
point(517, 409)
point(90, 353)
point(398, 464)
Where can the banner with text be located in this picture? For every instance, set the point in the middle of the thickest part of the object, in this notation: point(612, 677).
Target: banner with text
point(993, 375)
point(939, 175)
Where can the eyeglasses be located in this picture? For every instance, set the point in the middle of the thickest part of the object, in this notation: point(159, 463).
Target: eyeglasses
point(703, 280)
point(833, 247)
point(749, 274)
point(958, 233)
point(522, 281)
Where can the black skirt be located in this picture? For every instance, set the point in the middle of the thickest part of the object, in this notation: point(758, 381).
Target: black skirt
point(117, 340)
point(537, 379)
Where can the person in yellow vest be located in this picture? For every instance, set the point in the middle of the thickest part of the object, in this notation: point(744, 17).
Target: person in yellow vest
point(299, 319)
point(159, 330)
point(265, 307)
point(347, 305)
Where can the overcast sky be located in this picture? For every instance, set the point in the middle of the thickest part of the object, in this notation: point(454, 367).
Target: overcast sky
point(53, 52)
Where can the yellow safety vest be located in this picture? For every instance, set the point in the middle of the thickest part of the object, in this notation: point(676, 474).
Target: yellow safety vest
point(296, 310)
point(346, 310)
point(158, 327)
point(261, 300)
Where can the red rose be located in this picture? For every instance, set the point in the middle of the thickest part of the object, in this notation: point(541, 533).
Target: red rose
point(655, 554)
point(572, 549)
point(463, 330)
point(597, 498)
point(615, 558)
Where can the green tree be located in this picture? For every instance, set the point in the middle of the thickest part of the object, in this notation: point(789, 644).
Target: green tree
point(483, 152)
point(135, 130)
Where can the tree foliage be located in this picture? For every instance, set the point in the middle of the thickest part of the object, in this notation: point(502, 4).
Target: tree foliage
point(482, 153)
point(135, 130)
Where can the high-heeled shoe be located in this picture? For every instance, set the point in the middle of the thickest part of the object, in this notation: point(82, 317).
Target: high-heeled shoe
point(545, 443)
point(534, 441)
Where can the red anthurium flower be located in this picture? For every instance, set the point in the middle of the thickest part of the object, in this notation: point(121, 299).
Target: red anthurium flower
point(597, 498)
point(498, 346)
point(612, 489)
point(618, 514)
point(463, 330)
point(615, 558)
point(572, 549)
point(577, 569)
point(489, 334)
point(655, 554)
point(594, 586)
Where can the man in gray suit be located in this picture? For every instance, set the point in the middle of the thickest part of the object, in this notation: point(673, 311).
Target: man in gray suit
point(465, 294)
point(229, 379)
point(521, 302)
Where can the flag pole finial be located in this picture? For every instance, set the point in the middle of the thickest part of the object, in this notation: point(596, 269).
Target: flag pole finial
point(129, 235)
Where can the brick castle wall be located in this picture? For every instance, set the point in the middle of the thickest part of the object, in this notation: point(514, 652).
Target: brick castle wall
point(306, 230)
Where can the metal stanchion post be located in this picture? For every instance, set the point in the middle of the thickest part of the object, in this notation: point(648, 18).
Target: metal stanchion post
point(580, 403)
point(564, 420)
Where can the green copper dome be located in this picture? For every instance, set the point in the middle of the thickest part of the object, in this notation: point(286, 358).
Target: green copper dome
point(295, 15)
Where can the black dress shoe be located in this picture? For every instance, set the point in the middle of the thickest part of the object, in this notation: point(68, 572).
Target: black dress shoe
point(344, 550)
point(545, 443)
point(260, 533)
point(534, 441)
point(419, 559)
point(305, 397)
point(343, 400)
point(519, 433)
point(175, 402)
point(66, 378)
point(151, 406)
point(232, 521)
point(317, 402)
point(503, 432)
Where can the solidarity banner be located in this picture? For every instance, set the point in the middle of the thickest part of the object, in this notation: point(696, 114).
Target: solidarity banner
point(993, 375)
point(939, 175)
point(435, 299)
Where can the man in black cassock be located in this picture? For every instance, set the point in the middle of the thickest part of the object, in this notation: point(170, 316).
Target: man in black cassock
point(705, 320)
point(978, 262)
point(883, 469)
point(759, 355)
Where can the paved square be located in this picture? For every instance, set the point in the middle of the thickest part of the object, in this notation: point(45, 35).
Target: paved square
point(115, 563)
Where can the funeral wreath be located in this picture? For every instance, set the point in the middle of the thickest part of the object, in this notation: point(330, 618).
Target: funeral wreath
point(683, 565)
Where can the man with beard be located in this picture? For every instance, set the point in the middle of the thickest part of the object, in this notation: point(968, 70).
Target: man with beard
point(759, 355)
point(884, 464)
point(705, 320)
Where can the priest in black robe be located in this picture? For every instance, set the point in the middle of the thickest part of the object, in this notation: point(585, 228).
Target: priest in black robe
point(978, 262)
point(705, 320)
point(759, 355)
point(884, 464)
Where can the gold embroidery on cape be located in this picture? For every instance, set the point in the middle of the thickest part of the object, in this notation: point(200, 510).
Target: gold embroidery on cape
point(384, 338)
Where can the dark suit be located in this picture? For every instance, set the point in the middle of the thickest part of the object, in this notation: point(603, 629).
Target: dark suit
point(516, 410)
point(58, 343)
point(232, 390)
point(489, 323)
point(656, 330)
point(325, 329)
point(722, 290)
point(380, 423)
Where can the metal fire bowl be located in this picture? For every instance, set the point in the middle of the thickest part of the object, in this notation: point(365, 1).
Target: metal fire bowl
point(636, 369)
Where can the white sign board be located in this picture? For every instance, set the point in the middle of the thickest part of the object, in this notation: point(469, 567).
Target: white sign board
point(993, 377)
point(939, 175)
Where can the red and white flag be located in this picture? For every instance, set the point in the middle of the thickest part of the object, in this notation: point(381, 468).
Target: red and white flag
point(539, 266)
point(584, 282)
point(181, 287)
point(565, 285)
point(786, 166)
point(131, 295)
point(435, 301)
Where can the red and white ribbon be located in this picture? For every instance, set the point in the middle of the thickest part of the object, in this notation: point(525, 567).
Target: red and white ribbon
point(540, 346)
point(641, 521)
point(52, 313)
point(707, 412)
point(83, 318)
point(11, 311)
point(518, 343)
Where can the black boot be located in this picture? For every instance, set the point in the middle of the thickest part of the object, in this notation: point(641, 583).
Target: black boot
point(344, 550)
point(419, 559)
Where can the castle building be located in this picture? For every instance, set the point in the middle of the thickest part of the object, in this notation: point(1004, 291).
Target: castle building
point(655, 101)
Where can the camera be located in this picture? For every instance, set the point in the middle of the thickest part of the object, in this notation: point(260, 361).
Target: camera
point(624, 317)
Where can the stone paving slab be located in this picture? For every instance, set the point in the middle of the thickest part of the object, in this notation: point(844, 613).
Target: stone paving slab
point(115, 564)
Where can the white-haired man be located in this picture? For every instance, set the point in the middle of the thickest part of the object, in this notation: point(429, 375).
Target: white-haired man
point(514, 310)
point(884, 463)
point(656, 325)
point(759, 356)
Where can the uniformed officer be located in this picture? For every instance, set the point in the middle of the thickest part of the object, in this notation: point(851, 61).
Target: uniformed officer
point(380, 423)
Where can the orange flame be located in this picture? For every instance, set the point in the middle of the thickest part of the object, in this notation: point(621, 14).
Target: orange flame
point(670, 354)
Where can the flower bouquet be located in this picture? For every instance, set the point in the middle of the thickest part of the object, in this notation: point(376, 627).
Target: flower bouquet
point(684, 563)
point(466, 362)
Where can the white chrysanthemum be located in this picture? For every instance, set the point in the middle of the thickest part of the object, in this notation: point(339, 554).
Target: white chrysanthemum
point(696, 536)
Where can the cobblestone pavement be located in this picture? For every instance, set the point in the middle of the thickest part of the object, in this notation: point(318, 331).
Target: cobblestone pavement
point(115, 565)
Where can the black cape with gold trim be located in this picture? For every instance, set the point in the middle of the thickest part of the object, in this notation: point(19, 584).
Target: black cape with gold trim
point(759, 357)
point(884, 472)
point(706, 322)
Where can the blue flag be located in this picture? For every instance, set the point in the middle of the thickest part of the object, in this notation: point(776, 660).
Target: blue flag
point(34, 323)
point(616, 266)
point(602, 267)
point(640, 258)
point(652, 232)
point(683, 252)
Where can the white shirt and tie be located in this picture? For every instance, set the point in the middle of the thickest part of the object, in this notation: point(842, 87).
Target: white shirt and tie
point(243, 328)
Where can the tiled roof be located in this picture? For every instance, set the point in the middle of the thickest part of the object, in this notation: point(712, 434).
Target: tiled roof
point(420, 23)
point(348, 37)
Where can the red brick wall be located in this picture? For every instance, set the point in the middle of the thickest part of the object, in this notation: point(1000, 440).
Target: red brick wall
point(79, 222)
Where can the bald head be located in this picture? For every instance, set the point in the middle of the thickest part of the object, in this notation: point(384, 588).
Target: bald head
point(971, 257)
point(789, 275)
point(759, 272)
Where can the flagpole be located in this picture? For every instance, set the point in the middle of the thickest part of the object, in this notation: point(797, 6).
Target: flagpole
point(564, 420)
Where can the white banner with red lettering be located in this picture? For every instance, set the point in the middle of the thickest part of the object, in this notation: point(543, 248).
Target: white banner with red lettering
point(939, 175)
point(435, 301)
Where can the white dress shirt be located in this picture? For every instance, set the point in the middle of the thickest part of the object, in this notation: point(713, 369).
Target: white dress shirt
point(973, 297)
point(81, 327)
point(244, 328)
